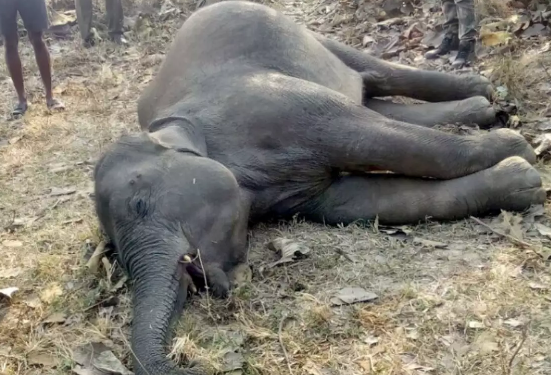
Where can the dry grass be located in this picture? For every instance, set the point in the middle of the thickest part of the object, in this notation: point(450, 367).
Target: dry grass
point(464, 309)
point(492, 8)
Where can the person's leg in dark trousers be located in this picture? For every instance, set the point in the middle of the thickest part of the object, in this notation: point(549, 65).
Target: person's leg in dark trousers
point(460, 28)
point(85, 12)
point(451, 28)
point(467, 31)
point(115, 20)
point(35, 18)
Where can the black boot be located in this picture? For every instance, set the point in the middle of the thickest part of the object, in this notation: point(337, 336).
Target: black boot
point(466, 49)
point(451, 41)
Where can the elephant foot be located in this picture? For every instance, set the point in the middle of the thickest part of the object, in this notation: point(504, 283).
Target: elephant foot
point(476, 110)
point(477, 85)
point(514, 184)
point(507, 142)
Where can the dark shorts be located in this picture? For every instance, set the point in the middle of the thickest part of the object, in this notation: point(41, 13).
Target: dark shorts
point(33, 13)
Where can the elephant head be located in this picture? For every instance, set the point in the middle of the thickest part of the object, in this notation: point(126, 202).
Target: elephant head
point(176, 219)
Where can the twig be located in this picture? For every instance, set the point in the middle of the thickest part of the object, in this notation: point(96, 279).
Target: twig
point(521, 343)
point(281, 322)
point(514, 240)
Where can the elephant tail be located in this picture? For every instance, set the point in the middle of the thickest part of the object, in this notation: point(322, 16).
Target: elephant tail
point(161, 284)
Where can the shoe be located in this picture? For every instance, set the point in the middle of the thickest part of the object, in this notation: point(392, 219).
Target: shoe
point(451, 41)
point(466, 49)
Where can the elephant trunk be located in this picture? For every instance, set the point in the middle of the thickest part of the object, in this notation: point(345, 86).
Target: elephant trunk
point(160, 291)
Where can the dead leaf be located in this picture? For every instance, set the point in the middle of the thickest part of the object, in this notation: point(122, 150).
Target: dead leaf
point(12, 243)
point(288, 250)
point(233, 360)
point(55, 318)
point(33, 301)
point(428, 243)
point(476, 325)
point(514, 323)
point(41, 359)
point(511, 224)
point(490, 39)
point(538, 286)
point(544, 142)
point(106, 362)
point(352, 295)
point(534, 30)
point(486, 343)
point(367, 39)
point(49, 294)
point(56, 192)
point(8, 292)
point(10, 272)
point(543, 230)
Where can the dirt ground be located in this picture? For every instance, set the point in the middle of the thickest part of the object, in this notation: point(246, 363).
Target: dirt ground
point(456, 298)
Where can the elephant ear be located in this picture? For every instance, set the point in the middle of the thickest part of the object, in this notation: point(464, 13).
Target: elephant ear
point(176, 138)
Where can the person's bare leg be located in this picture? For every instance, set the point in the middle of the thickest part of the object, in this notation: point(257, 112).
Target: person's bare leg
point(13, 62)
point(43, 61)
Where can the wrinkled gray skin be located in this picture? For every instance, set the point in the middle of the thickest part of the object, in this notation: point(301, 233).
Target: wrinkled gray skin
point(252, 116)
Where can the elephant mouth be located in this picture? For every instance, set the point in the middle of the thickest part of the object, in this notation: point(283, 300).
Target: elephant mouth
point(195, 268)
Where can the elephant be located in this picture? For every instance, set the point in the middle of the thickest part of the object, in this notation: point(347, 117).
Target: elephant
point(252, 116)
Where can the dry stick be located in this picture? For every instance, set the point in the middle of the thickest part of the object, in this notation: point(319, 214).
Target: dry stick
point(514, 240)
point(521, 343)
point(285, 317)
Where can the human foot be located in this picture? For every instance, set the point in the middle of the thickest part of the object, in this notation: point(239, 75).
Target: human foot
point(55, 104)
point(19, 110)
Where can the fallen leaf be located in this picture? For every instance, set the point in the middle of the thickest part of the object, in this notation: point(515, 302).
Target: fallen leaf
point(33, 301)
point(543, 230)
point(371, 340)
point(12, 243)
point(512, 224)
point(10, 272)
point(513, 322)
point(352, 295)
point(106, 362)
point(41, 359)
point(8, 292)
point(56, 192)
point(490, 39)
point(49, 294)
point(538, 286)
point(534, 30)
point(486, 343)
point(288, 250)
point(233, 360)
point(544, 143)
point(55, 318)
point(476, 325)
point(428, 243)
point(412, 334)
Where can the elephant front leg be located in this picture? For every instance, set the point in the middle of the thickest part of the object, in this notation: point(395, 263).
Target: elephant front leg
point(365, 140)
point(476, 110)
point(383, 78)
point(512, 185)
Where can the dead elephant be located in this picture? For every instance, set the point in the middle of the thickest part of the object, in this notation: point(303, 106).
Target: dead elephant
point(253, 116)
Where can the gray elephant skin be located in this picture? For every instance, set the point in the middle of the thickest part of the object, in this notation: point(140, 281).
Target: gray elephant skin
point(252, 116)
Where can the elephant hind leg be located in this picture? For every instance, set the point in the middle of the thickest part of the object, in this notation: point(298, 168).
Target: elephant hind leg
point(476, 110)
point(512, 184)
point(383, 78)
